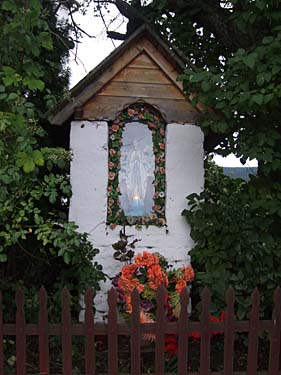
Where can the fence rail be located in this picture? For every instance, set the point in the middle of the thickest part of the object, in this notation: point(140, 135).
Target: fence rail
point(89, 329)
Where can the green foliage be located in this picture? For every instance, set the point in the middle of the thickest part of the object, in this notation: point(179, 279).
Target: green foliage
point(236, 48)
point(235, 243)
point(38, 246)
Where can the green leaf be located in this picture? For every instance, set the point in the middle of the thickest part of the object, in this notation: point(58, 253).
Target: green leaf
point(28, 166)
point(261, 4)
point(194, 78)
point(250, 60)
point(260, 79)
point(61, 252)
point(38, 158)
point(206, 86)
point(12, 96)
point(66, 257)
point(8, 81)
point(46, 40)
point(34, 84)
point(8, 5)
point(258, 99)
point(267, 39)
point(3, 258)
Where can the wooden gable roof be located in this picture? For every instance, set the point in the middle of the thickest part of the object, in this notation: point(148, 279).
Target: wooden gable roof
point(143, 68)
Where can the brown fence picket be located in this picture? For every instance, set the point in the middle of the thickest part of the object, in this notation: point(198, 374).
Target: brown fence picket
point(43, 333)
point(135, 334)
point(160, 331)
point(1, 338)
point(89, 333)
point(66, 334)
point(160, 328)
point(182, 333)
point(112, 333)
point(205, 333)
point(253, 334)
point(20, 333)
point(275, 334)
point(229, 333)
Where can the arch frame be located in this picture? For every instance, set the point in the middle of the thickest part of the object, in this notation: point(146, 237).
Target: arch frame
point(145, 113)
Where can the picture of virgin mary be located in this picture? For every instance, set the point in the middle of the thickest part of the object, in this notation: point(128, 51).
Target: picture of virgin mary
point(137, 170)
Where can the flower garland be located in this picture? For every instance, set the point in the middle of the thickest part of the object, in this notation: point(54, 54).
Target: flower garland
point(146, 114)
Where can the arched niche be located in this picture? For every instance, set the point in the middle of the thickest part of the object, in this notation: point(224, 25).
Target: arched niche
point(136, 167)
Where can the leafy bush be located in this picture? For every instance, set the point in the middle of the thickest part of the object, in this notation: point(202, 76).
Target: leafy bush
point(236, 242)
point(38, 246)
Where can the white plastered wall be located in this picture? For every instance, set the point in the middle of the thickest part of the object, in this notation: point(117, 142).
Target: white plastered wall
point(88, 207)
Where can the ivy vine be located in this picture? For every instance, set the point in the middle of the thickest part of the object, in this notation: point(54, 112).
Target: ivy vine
point(147, 114)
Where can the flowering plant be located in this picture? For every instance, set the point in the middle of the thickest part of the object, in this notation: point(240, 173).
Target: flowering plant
point(147, 272)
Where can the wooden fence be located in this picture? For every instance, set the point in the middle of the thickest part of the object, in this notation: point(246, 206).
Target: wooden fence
point(89, 329)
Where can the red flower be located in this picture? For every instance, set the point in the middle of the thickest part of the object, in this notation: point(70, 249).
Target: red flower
point(171, 346)
point(222, 316)
point(195, 335)
point(151, 125)
point(112, 152)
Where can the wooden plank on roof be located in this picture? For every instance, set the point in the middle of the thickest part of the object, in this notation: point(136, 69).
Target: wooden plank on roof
point(143, 61)
point(95, 85)
point(132, 74)
point(107, 107)
point(160, 60)
point(140, 90)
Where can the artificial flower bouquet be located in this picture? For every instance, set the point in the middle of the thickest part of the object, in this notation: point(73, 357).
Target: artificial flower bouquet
point(146, 273)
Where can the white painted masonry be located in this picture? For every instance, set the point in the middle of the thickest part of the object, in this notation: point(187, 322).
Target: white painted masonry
point(88, 207)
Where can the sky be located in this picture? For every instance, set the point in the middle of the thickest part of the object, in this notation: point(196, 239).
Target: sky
point(91, 51)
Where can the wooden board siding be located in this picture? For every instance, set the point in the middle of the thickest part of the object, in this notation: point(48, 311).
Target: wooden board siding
point(141, 90)
point(143, 78)
point(143, 67)
point(107, 107)
point(135, 74)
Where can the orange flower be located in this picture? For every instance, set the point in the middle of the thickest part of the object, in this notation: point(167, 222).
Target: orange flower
point(129, 307)
point(145, 318)
point(115, 127)
point(146, 259)
point(188, 273)
point(156, 277)
point(180, 285)
point(128, 271)
point(128, 285)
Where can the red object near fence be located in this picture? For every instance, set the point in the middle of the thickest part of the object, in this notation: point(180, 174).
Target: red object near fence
point(134, 329)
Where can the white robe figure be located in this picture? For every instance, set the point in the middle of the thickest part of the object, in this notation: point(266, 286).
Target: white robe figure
point(137, 171)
